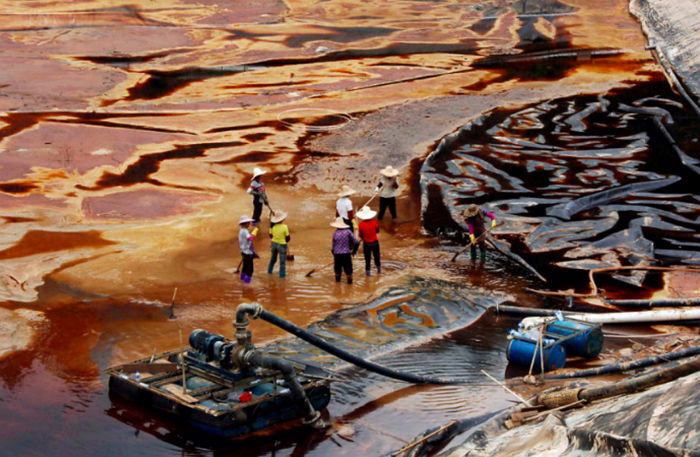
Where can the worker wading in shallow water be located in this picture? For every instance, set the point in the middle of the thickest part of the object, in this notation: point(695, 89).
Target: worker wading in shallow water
point(475, 222)
point(388, 189)
point(257, 190)
point(344, 246)
point(368, 229)
point(279, 233)
point(343, 206)
point(246, 236)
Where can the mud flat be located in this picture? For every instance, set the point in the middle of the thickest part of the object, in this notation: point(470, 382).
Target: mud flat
point(18, 329)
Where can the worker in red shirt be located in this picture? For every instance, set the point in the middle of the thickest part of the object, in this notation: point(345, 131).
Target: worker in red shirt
point(367, 231)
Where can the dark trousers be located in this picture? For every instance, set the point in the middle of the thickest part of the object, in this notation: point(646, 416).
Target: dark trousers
point(247, 265)
point(257, 210)
point(369, 250)
point(342, 262)
point(385, 203)
point(350, 224)
point(482, 248)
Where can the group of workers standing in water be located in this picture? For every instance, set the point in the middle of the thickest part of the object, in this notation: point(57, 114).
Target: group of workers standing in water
point(347, 236)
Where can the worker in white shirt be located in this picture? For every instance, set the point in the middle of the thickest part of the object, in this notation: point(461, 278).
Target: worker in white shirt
point(343, 207)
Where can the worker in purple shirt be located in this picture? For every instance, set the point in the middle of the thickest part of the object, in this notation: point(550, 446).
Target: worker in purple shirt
point(475, 222)
point(343, 248)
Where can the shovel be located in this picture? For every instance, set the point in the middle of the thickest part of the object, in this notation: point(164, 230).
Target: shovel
point(454, 257)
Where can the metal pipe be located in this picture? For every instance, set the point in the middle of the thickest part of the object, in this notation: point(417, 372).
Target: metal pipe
point(629, 317)
point(626, 366)
point(631, 385)
point(626, 386)
point(658, 302)
point(256, 359)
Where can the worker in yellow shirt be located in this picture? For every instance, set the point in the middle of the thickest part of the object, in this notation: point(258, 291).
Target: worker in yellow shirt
point(279, 233)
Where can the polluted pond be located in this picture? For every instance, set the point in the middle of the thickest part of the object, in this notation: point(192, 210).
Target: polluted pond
point(349, 362)
point(567, 132)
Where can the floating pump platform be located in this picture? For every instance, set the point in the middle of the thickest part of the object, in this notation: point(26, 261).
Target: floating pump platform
point(225, 388)
point(228, 388)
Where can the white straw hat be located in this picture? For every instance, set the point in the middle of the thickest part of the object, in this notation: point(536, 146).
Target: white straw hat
point(339, 223)
point(389, 171)
point(366, 213)
point(278, 217)
point(258, 172)
point(346, 191)
point(245, 219)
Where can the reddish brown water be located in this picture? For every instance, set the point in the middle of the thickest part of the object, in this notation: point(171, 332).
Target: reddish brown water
point(128, 138)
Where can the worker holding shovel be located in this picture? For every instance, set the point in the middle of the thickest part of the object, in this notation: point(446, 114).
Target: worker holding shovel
point(475, 222)
point(257, 190)
point(279, 233)
point(387, 188)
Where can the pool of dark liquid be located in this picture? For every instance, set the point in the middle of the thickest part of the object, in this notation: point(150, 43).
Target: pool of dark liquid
point(445, 330)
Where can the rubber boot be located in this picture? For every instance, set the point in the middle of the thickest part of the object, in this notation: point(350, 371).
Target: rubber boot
point(247, 279)
point(367, 272)
point(242, 276)
point(379, 269)
point(482, 255)
point(282, 275)
point(349, 279)
point(337, 277)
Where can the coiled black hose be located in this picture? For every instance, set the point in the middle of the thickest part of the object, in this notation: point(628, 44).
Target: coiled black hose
point(348, 357)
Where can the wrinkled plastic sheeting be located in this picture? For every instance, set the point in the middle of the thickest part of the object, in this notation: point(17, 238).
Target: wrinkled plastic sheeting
point(661, 421)
point(580, 182)
point(386, 325)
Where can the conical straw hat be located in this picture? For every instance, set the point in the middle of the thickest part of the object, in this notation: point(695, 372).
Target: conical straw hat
point(346, 191)
point(339, 223)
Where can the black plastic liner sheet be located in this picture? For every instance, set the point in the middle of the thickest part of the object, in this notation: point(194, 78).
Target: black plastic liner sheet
point(577, 183)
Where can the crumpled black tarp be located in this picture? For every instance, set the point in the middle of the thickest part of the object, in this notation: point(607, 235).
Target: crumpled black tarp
point(659, 422)
point(578, 182)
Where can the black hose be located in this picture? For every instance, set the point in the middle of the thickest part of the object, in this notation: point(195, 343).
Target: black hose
point(625, 366)
point(256, 359)
point(348, 357)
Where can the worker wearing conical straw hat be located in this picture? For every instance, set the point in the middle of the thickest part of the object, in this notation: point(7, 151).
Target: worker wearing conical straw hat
point(245, 241)
point(474, 217)
point(343, 206)
point(388, 189)
point(343, 247)
point(257, 190)
point(368, 229)
point(279, 233)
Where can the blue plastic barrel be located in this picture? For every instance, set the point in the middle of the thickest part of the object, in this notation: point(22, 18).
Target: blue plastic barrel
point(587, 344)
point(520, 351)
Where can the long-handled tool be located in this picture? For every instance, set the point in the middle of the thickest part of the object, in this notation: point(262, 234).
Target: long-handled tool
point(472, 243)
point(272, 212)
point(320, 268)
point(370, 200)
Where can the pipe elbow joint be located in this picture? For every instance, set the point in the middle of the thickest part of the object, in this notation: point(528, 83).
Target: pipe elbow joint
point(247, 309)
